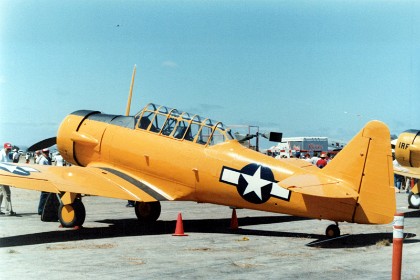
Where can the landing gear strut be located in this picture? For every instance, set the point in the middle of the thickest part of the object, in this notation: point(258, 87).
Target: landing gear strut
point(332, 230)
point(147, 212)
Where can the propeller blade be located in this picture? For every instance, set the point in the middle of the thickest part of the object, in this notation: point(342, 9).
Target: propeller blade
point(43, 144)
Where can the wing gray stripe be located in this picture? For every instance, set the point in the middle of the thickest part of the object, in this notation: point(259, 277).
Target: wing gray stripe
point(136, 183)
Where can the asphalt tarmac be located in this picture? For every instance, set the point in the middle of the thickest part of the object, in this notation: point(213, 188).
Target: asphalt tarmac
point(266, 246)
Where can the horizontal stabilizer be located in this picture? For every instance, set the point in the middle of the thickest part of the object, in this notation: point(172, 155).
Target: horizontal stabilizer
point(312, 184)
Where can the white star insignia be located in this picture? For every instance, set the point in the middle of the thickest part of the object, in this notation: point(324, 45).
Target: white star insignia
point(255, 183)
point(8, 167)
point(15, 169)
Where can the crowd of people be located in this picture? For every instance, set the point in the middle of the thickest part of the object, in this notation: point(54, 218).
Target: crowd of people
point(320, 161)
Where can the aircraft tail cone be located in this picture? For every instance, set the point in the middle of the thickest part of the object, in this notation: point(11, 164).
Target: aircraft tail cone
point(179, 230)
point(234, 220)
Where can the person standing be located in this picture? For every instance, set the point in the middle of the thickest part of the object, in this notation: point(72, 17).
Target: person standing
point(5, 190)
point(43, 159)
point(307, 158)
point(322, 162)
point(59, 160)
point(37, 156)
point(398, 179)
point(16, 156)
point(315, 158)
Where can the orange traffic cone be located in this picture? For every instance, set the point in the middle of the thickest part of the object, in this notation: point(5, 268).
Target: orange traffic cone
point(179, 230)
point(234, 220)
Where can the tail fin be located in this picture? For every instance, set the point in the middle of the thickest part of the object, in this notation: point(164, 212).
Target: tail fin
point(366, 164)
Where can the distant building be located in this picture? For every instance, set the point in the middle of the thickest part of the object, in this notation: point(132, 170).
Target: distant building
point(293, 146)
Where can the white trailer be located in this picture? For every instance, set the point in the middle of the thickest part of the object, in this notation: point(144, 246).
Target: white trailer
point(292, 146)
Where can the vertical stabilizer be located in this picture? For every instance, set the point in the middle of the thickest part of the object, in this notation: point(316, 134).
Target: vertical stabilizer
point(366, 163)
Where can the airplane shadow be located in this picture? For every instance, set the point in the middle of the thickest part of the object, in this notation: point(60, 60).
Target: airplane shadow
point(131, 227)
point(363, 240)
point(20, 215)
point(412, 214)
point(360, 240)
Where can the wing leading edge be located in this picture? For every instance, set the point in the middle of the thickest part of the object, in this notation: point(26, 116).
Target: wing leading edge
point(413, 172)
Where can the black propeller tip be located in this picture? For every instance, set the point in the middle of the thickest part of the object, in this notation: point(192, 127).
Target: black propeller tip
point(43, 144)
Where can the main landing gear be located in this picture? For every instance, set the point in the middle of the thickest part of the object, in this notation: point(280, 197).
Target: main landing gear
point(71, 212)
point(72, 215)
point(147, 212)
point(332, 231)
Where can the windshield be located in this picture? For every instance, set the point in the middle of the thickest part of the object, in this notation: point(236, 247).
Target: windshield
point(181, 125)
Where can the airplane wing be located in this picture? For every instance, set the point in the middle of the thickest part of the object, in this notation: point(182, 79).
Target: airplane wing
point(412, 172)
point(103, 181)
point(315, 185)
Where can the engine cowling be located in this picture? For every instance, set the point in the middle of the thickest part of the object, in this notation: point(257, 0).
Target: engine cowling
point(80, 136)
point(407, 149)
point(71, 132)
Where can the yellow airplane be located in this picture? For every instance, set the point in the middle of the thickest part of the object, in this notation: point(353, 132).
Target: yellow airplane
point(162, 154)
point(407, 153)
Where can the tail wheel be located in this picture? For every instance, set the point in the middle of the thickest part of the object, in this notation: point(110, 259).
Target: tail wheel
point(332, 231)
point(72, 215)
point(147, 211)
point(414, 200)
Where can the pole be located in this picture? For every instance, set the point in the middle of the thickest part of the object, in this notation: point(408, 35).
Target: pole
point(397, 245)
point(130, 93)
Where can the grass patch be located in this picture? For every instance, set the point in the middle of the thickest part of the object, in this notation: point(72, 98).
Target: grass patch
point(383, 242)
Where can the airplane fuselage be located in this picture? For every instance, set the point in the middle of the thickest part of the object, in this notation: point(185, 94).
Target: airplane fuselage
point(225, 173)
point(162, 154)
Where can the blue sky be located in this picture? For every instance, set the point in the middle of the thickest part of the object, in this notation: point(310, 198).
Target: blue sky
point(305, 68)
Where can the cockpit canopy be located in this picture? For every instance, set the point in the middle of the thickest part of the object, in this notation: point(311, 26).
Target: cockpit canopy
point(181, 125)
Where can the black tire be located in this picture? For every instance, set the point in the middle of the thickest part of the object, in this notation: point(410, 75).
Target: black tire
point(414, 200)
point(332, 231)
point(50, 211)
point(147, 212)
point(72, 215)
